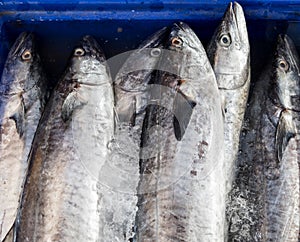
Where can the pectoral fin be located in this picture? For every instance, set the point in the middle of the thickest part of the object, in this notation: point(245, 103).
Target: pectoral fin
point(183, 108)
point(72, 102)
point(285, 131)
point(19, 116)
point(126, 110)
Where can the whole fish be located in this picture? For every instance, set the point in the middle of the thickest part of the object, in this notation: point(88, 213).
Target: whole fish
point(181, 193)
point(265, 198)
point(229, 54)
point(130, 88)
point(22, 98)
point(62, 195)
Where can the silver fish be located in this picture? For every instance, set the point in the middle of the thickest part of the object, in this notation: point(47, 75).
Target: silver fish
point(289, 86)
point(62, 195)
point(265, 198)
point(121, 173)
point(22, 98)
point(229, 54)
point(181, 193)
point(132, 80)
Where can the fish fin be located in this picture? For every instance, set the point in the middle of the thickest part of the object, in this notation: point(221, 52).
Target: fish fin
point(19, 116)
point(223, 105)
point(183, 108)
point(133, 116)
point(126, 110)
point(72, 102)
point(116, 116)
point(10, 235)
point(285, 131)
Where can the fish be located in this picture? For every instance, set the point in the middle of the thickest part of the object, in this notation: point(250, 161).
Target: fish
point(265, 198)
point(62, 194)
point(131, 82)
point(23, 94)
point(181, 192)
point(290, 59)
point(229, 54)
point(130, 88)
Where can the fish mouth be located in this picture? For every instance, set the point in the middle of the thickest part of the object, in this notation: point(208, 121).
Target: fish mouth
point(156, 39)
point(24, 42)
point(92, 48)
point(241, 23)
point(234, 16)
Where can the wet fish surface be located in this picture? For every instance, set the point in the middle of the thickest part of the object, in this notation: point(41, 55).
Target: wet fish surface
point(122, 171)
point(62, 195)
point(229, 54)
point(181, 191)
point(23, 94)
point(265, 197)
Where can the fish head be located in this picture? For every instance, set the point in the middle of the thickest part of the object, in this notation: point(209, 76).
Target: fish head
point(184, 40)
point(186, 57)
point(19, 67)
point(88, 59)
point(135, 73)
point(285, 79)
point(229, 49)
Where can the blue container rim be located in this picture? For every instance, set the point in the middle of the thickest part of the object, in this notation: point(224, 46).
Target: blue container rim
point(147, 9)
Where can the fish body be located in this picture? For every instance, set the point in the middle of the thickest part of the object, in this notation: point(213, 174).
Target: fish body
point(62, 195)
point(182, 185)
point(268, 180)
point(23, 94)
point(130, 87)
point(229, 54)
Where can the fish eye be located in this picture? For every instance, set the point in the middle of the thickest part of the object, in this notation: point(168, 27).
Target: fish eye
point(283, 65)
point(225, 40)
point(177, 42)
point(79, 52)
point(155, 52)
point(26, 56)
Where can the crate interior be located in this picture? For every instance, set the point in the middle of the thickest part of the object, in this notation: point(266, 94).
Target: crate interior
point(59, 32)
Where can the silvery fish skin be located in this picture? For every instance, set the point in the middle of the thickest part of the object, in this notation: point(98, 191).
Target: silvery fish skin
point(130, 88)
point(22, 99)
point(182, 185)
point(132, 80)
point(290, 84)
point(265, 199)
point(62, 195)
point(229, 54)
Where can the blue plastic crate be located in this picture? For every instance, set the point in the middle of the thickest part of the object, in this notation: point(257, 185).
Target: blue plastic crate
point(121, 25)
